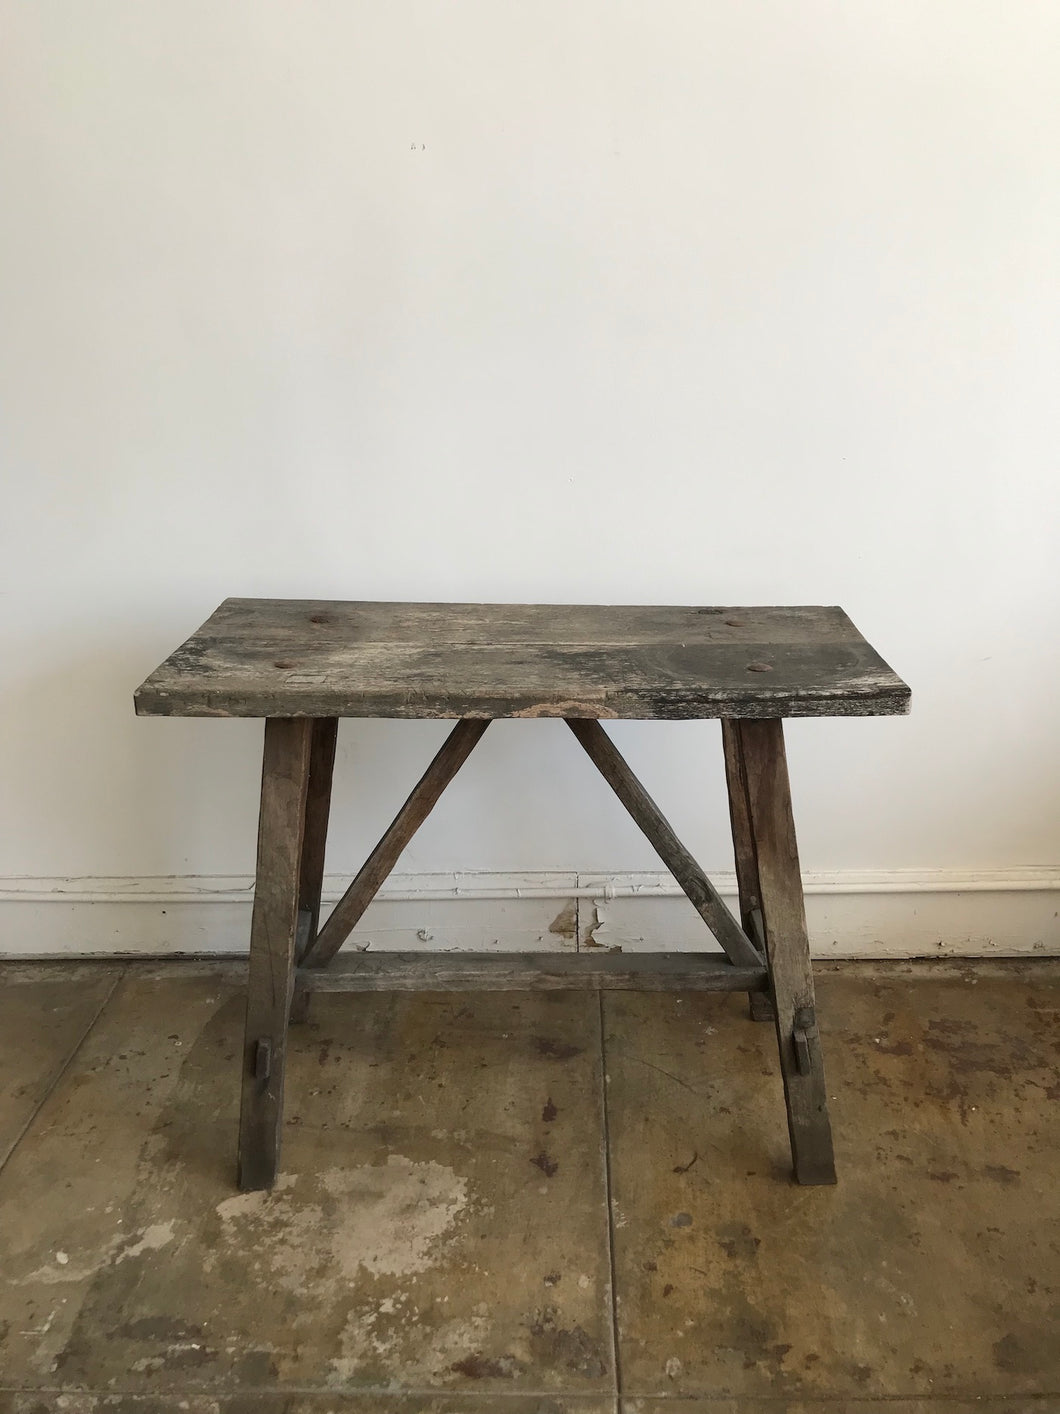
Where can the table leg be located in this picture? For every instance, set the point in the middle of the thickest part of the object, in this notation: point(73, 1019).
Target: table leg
point(270, 983)
point(761, 1004)
point(317, 810)
point(772, 830)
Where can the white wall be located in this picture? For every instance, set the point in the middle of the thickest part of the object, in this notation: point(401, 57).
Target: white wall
point(530, 299)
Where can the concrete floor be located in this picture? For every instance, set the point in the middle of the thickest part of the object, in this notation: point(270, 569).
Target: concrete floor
point(529, 1203)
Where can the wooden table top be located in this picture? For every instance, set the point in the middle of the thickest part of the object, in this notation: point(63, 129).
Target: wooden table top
point(324, 658)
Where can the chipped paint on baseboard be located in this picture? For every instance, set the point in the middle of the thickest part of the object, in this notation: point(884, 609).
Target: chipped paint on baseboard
point(594, 916)
point(565, 923)
point(895, 913)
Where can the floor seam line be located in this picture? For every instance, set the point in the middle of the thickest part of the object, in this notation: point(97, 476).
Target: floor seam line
point(608, 1198)
point(61, 1072)
point(310, 1391)
point(783, 1402)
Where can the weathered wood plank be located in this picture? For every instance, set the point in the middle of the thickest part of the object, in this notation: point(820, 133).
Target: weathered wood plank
point(314, 845)
point(270, 983)
point(499, 972)
point(701, 893)
point(299, 1013)
point(343, 659)
point(455, 751)
point(740, 819)
point(385, 623)
point(787, 946)
point(760, 1005)
point(317, 810)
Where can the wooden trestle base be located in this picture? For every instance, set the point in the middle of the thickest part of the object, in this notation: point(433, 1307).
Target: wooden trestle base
point(765, 953)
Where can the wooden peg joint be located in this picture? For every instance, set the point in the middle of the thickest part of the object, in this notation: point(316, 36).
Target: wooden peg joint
point(263, 1059)
point(805, 1037)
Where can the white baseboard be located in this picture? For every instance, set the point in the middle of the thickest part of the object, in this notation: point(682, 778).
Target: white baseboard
point(895, 913)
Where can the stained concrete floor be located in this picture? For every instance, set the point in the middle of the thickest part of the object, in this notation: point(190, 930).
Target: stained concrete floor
point(529, 1203)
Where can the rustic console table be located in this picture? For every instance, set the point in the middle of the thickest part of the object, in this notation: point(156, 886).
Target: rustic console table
point(303, 664)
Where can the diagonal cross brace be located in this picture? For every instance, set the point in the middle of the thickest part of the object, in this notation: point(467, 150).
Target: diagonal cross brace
point(702, 894)
point(615, 770)
point(458, 746)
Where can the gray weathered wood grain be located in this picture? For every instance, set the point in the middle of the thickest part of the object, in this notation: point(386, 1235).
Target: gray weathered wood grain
point(317, 810)
point(285, 657)
point(761, 1006)
point(273, 930)
point(700, 892)
point(765, 770)
point(501, 972)
point(455, 750)
point(302, 664)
